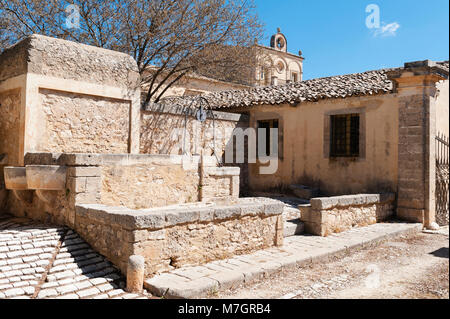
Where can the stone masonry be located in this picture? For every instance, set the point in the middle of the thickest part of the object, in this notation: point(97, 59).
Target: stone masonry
point(416, 88)
point(327, 215)
point(179, 235)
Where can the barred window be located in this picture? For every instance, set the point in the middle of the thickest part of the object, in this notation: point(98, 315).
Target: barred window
point(344, 135)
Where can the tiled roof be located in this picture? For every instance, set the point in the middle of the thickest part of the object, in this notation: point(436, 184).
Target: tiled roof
point(444, 65)
point(341, 86)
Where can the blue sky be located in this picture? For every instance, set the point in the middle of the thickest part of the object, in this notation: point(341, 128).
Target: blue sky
point(334, 38)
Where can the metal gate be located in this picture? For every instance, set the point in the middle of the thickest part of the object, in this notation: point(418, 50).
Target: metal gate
point(442, 177)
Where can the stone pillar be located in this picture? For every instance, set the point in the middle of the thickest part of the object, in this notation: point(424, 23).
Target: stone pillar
point(279, 240)
point(84, 187)
point(416, 89)
point(135, 274)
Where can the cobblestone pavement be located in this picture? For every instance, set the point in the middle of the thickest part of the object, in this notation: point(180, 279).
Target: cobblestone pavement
point(44, 261)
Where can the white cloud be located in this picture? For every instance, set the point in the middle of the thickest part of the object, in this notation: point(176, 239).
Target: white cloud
point(387, 30)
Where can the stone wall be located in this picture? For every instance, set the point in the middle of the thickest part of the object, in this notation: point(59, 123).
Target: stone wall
point(84, 124)
point(304, 146)
point(13, 60)
point(133, 181)
point(72, 98)
point(9, 131)
point(163, 131)
point(218, 184)
point(416, 92)
point(149, 184)
point(181, 235)
point(10, 125)
point(327, 215)
point(75, 61)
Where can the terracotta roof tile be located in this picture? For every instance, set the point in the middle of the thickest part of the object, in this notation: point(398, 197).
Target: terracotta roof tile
point(341, 86)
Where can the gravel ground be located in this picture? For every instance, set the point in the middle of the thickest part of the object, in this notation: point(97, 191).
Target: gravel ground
point(407, 267)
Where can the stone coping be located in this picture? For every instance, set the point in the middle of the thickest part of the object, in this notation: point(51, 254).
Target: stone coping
point(168, 216)
point(223, 171)
point(320, 203)
point(97, 159)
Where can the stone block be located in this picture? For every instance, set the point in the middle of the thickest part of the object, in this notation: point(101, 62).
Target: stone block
point(46, 177)
point(87, 198)
point(323, 202)
point(154, 220)
point(313, 228)
point(228, 279)
point(411, 214)
point(205, 214)
point(221, 213)
point(251, 209)
point(222, 171)
point(84, 171)
point(273, 208)
point(15, 178)
point(80, 159)
point(77, 185)
point(32, 158)
point(181, 217)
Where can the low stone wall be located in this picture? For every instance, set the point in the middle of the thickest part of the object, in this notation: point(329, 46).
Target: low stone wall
point(180, 235)
point(169, 129)
point(328, 215)
point(133, 181)
point(145, 181)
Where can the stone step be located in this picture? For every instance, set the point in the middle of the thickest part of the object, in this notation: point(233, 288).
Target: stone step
point(293, 227)
point(303, 191)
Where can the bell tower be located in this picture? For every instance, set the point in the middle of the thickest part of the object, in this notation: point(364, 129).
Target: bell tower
point(278, 41)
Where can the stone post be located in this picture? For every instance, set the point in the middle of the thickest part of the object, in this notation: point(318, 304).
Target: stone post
point(279, 239)
point(415, 85)
point(135, 274)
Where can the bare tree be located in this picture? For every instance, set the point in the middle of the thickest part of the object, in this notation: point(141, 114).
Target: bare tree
point(167, 38)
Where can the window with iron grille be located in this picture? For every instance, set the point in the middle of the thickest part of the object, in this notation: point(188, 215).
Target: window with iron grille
point(344, 135)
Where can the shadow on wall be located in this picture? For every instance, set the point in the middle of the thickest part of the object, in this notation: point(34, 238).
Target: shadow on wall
point(244, 166)
point(163, 133)
point(156, 133)
point(3, 191)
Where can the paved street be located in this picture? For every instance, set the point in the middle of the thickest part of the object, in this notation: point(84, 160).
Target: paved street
point(44, 261)
point(413, 266)
point(211, 279)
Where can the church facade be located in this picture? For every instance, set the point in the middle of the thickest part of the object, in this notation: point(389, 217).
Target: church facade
point(275, 66)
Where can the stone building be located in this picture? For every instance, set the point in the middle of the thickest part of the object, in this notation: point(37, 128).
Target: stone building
point(77, 149)
point(359, 133)
point(276, 66)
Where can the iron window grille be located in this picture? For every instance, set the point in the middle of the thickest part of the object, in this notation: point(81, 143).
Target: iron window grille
point(344, 135)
